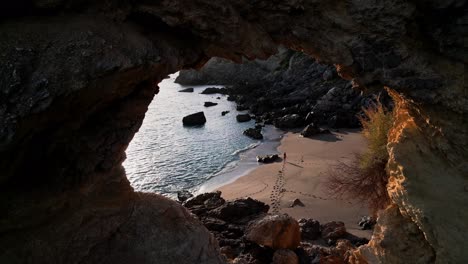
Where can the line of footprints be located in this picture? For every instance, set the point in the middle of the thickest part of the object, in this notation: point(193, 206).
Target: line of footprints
point(278, 191)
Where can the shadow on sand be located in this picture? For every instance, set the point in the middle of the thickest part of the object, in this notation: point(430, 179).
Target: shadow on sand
point(294, 164)
point(329, 137)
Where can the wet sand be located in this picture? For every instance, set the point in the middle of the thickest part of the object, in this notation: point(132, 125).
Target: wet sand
point(302, 176)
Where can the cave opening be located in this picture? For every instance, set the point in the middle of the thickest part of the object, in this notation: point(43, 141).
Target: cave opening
point(77, 77)
point(169, 158)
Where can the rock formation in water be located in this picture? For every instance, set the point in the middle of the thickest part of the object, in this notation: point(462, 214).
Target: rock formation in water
point(196, 119)
point(77, 77)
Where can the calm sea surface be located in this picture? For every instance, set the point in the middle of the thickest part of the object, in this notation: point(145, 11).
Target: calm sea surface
point(165, 157)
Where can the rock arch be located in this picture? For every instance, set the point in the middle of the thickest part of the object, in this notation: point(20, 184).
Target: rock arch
point(77, 76)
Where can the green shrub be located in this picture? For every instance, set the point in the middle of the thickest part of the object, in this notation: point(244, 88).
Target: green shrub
point(376, 123)
point(365, 177)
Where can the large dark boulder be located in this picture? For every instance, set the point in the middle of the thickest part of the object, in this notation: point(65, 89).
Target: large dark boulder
point(203, 203)
point(310, 130)
point(267, 158)
point(214, 90)
point(208, 104)
point(240, 209)
point(243, 118)
point(333, 230)
point(255, 133)
point(196, 119)
point(201, 199)
point(310, 229)
point(290, 121)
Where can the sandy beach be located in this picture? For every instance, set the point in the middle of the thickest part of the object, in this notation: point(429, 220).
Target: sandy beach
point(301, 176)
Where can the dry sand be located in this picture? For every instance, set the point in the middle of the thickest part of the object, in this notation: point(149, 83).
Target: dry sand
point(305, 170)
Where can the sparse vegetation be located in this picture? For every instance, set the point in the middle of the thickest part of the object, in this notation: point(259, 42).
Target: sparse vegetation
point(365, 177)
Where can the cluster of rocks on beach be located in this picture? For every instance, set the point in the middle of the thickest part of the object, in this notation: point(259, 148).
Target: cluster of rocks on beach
point(248, 233)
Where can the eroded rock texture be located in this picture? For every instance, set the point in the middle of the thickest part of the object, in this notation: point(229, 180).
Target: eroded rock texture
point(77, 76)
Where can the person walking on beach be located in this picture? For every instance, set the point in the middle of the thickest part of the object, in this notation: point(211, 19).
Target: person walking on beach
point(284, 156)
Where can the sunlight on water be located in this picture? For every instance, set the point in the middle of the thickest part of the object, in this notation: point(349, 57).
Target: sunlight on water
point(165, 156)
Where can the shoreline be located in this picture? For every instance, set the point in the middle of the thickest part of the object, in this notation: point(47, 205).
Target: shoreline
point(306, 168)
point(247, 161)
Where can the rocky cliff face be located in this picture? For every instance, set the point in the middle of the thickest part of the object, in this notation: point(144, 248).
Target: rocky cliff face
point(223, 71)
point(77, 76)
point(288, 83)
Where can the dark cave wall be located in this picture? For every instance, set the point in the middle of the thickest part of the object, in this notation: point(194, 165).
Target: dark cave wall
point(77, 77)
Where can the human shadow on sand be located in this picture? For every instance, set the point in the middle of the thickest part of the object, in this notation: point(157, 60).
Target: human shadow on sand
point(294, 164)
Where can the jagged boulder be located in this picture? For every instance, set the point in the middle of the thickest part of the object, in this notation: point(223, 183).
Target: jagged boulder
point(267, 158)
point(243, 118)
point(239, 209)
point(184, 195)
point(333, 230)
point(204, 202)
point(254, 133)
point(310, 229)
point(290, 121)
point(223, 113)
point(214, 224)
point(366, 222)
point(228, 221)
point(214, 90)
point(310, 130)
point(275, 231)
point(196, 119)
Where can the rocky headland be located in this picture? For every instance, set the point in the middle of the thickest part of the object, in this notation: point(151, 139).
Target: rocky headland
point(289, 90)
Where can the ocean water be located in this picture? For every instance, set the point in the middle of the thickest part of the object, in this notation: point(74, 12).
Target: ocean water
point(165, 157)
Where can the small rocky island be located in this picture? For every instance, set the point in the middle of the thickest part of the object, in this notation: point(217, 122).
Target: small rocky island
point(195, 119)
